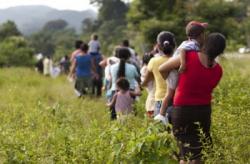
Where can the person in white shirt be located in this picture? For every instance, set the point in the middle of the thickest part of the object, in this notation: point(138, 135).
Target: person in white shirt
point(94, 51)
point(94, 44)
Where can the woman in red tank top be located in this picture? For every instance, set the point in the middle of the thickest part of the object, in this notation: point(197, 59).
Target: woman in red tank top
point(192, 100)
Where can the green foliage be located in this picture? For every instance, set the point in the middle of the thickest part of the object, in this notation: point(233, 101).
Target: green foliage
point(222, 17)
point(111, 9)
point(247, 31)
point(8, 29)
point(147, 17)
point(56, 43)
point(55, 25)
point(14, 51)
point(48, 124)
point(230, 132)
point(110, 36)
point(42, 43)
point(110, 25)
point(89, 25)
point(64, 41)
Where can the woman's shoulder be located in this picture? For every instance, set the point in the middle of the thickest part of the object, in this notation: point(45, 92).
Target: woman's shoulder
point(130, 66)
point(218, 67)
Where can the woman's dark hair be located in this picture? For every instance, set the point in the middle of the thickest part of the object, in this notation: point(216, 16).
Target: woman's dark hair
point(78, 44)
point(166, 42)
point(123, 83)
point(146, 58)
point(84, 47)
point(215, 44)
point(123, 54)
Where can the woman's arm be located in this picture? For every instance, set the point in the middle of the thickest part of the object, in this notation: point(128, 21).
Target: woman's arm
point(147, 78)
point(112, 103)
point(73, 68)
point(171, 64)
point(103, 63)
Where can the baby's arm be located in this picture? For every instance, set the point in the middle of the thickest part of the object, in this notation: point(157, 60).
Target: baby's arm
point(182, 60)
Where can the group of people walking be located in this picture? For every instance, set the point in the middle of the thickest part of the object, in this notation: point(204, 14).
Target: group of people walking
point(85, 68)
point(179, 81)
point(184, 80)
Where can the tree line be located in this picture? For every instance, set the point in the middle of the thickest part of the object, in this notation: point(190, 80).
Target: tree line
point(139, 21)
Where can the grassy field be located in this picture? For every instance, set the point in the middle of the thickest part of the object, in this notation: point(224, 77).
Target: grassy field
point(41, 121)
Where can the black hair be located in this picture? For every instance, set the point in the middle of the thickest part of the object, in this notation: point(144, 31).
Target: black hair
point(215, 45)
point(166, 42)
point(84, 47)
point(146, 58)
point(123, 54)
point(123, 83)
point(95, 37)
point(125, 43)
point(78, 44)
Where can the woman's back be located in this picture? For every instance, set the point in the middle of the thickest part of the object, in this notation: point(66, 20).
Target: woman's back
point(160, 84)
point(130, 73)
point(83, 65)
point(196, 84)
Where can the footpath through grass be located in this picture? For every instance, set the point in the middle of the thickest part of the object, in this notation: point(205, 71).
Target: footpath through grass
point(41, 121)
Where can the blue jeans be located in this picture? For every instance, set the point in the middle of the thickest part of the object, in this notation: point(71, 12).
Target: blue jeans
point(157, 107)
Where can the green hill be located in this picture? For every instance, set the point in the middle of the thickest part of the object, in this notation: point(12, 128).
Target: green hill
point(31, 19)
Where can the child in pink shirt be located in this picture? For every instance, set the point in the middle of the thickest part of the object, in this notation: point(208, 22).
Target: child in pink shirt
point(123, 98)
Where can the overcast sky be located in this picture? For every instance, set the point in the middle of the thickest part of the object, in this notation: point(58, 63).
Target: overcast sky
point(58, 4)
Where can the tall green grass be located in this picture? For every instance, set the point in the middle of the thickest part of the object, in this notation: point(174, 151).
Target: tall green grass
point(42, 121)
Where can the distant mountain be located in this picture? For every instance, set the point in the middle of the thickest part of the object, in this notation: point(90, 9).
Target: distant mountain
point(31, 19)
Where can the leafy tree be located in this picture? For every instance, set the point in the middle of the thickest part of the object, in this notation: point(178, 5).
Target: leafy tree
point(148, 17)
point(8, 29)
point(42, 42)
point(89, 25)
point(111, 23)
point(14, 51)
point(64, 42)
point(111, 9)
point(54, 39)
point(55, 25)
